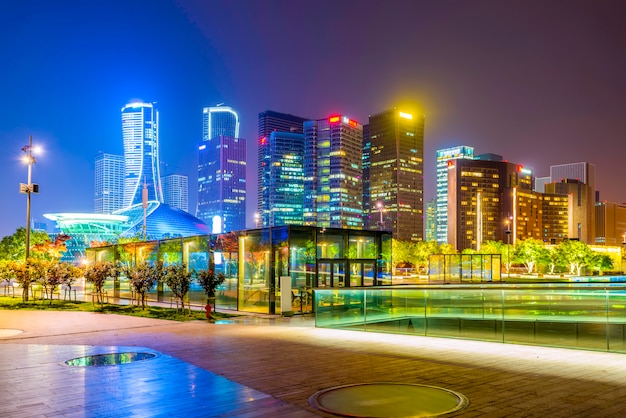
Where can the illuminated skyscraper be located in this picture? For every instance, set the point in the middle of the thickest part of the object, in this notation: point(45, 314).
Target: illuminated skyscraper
point(441, 211)
point(271, 150)
point(333, 174)
point(219, 120)
point(140, 133)
point(109, 183)
point(222, 171)
point(176, 191)
point(396, 167)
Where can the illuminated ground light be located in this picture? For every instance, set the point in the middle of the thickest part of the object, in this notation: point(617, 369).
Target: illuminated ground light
point(110, 359)
point(7, 332)
point(388, 400)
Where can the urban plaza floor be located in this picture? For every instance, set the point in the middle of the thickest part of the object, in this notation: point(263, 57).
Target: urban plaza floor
point(270, 367)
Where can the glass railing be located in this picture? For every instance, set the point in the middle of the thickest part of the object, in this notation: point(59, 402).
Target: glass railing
point(590, 316)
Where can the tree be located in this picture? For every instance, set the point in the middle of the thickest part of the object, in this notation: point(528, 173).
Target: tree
point(143, 277)
point(575, 254)
point(209, 281)
point(20, 271)
point(97, 273)
point(531, 252)
point(178, 279)
point(13, 247)
point(601, 261)
point(60, 274)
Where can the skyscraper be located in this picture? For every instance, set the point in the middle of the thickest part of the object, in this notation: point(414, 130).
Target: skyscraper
point(109, 183)
point(140, 133)
point(176, 191)
point(333, 173)
point(219, 120)
point(396, 180)
point(441, 210)
point(285, 190)
point(271, 152)
point(222, 171)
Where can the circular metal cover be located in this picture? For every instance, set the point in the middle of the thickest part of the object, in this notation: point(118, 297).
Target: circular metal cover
point(109, 359)
point(388, 400)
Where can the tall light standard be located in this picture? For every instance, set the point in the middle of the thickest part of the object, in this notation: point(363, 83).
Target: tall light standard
point(508, 246)
point(380, 207)
point(28, 188)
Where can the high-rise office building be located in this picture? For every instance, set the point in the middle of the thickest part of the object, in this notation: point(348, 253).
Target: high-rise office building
point(270, 153)
point(367, 210)
point(482, 195)
point(430, 224)
point(396, 167)
point(582, 221)
point(333, 187)
point(140, 133)
point(285, 190)
point(176, 191)
point(611, 224)
point(109, 183)
point(219, 121)
point(221, 171)
point(441, 211)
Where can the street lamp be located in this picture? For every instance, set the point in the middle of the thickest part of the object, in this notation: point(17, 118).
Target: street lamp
point(257, 218)
point(28, 188)
point(508, 246)
point(381, 223)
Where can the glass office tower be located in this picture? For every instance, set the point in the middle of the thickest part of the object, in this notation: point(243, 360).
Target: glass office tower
point(221, 171)
point(176, 191)
point(396, 167)
point(108, 183)
point(269, 153)
point(140, 133)
point(333, 174)
point(441, 210)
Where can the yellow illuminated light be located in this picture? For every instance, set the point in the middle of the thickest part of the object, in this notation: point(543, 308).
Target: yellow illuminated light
point(406, 115)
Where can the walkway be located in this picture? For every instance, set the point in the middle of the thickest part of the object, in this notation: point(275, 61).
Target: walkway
point(259, 367)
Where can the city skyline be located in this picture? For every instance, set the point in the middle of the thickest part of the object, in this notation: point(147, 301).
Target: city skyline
point(537, 83)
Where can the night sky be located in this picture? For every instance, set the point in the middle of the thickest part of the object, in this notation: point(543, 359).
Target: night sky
point(539, 82)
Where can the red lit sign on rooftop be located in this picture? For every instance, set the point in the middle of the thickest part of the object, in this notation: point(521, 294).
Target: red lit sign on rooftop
point(519, 168)
point(333, 119)
point(353, 123)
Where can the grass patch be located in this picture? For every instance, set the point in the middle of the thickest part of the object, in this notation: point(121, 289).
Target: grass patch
point(155, 312)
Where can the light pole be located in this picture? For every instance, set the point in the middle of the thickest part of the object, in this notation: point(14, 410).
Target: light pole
point(381, 223)
point(28, 188)
point(508, 246)
point(257, 218)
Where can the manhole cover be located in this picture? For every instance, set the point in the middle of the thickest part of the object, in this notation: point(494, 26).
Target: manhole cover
point(6, 332)
point(109, 359)
point(388, 400)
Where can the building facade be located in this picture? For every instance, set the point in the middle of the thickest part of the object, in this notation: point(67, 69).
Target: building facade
point(140, 133)
point(333, 174)
point(441, 210)
point(270, 153)
point(108, 183)
point(222, 183)
point(221, 171)
point(581, 216)
point(176, 191)
point(481, 198)
point(396, 168)
point(610, 224)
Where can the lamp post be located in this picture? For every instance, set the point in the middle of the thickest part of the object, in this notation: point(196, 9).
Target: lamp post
point(28, 188)
point(508, 246)
point(381, 223)
point(257, 218)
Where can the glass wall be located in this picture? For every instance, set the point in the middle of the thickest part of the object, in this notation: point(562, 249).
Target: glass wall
point(253, 263)
point(586, 316)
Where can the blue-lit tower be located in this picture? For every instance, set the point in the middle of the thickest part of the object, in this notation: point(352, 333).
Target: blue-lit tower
point(279, 136)
point(221, 171)
point(444, 156)
point(140, 133)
